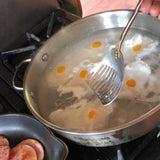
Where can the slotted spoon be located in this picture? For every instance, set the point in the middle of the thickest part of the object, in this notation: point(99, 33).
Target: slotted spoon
point(106, 78)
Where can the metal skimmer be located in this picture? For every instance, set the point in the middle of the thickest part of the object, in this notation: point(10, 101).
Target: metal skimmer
point(106, 78)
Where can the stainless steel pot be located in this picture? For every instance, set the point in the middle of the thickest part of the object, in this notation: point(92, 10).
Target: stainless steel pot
point(81, 28)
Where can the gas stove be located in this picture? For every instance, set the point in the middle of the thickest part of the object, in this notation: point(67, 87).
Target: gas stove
point(12, 101)
point(23, 48)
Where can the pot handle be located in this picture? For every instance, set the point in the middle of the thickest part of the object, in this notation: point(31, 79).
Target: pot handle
point(15, 73)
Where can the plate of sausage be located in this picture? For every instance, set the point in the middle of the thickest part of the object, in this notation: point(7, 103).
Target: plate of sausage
point(22, 137)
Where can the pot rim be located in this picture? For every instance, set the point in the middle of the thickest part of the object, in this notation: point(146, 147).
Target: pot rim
point(107, 130)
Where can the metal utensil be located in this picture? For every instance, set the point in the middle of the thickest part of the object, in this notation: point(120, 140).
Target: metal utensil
point(106, 78)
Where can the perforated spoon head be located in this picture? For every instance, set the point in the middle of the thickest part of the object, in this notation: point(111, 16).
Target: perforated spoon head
point(106, 78)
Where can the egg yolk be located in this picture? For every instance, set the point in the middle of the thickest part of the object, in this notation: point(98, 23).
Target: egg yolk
point(92, 114)
point(137, 47)
point(131, 83)
point(96, 44)
point(61, 69)
point(83, 73)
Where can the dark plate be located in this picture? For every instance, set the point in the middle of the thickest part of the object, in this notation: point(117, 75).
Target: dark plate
point(17, 127)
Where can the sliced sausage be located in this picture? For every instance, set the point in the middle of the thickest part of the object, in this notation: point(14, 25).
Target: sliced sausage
point(4, 152)
point(4, 141)
point(23, 152)
point(37, 146)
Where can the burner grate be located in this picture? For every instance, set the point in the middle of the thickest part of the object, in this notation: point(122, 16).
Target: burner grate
point(27, 44)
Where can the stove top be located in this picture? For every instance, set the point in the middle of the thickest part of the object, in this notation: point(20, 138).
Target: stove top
point(11, 101)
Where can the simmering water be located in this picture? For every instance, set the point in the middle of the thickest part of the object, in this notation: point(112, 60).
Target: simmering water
point(66, 100)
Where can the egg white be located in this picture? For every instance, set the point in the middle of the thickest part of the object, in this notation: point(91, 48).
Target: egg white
point(73, 118)
point(140, 72)
point(148, 45)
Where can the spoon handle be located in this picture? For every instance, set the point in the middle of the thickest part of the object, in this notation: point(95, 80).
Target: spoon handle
point(117, 51)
